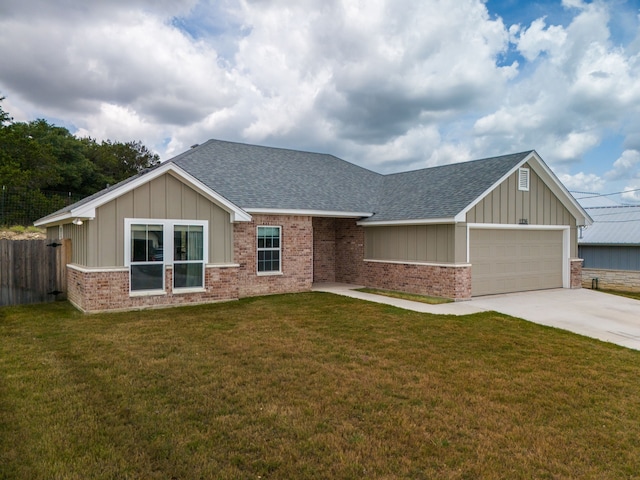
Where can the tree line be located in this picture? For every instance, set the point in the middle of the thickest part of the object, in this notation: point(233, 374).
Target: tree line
point(38, 158)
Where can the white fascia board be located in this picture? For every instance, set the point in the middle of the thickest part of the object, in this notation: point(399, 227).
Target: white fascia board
point(87, 211)
point(556, 186)
point(392, 223)
point(306, 213)
point(560, 191)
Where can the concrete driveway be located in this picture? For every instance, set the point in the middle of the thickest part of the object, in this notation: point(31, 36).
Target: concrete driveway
point(588, 312)
point(610, 318)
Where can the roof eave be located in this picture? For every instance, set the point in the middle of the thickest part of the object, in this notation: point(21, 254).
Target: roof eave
point(417, 221)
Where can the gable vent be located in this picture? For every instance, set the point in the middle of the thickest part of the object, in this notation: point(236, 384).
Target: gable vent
point(523, 179)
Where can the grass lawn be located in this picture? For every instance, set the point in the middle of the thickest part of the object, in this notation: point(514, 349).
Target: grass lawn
point(310, 386)
point(406, 296)
point(634, 295)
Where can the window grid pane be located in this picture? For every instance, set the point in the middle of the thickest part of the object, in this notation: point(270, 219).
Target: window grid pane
point(268, 249)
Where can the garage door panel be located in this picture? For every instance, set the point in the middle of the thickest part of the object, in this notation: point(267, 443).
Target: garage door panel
point(506, 260)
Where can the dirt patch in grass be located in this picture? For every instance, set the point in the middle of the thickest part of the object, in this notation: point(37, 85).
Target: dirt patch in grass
point(310, 386)
point(22, 233)
point(406, 296)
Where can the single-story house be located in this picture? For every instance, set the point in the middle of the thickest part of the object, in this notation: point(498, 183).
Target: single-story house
point(610, 247)
point(227, 220)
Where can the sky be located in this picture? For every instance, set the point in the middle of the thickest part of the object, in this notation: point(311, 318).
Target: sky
point(391, 85)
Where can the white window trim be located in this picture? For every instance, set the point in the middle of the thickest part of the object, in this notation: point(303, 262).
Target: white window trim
point(271, 272)
point(524, 174)
point(167, 233)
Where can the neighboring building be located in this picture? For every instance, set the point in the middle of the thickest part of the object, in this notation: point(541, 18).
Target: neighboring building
point(610, 247)
point(227, 220)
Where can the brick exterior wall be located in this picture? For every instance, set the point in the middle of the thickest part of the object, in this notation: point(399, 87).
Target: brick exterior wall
point(324, 250)
point(350, 267)
point(296, 256)
point(576, 272)
point(623, 280)
point(109, 290)
point(438, 281)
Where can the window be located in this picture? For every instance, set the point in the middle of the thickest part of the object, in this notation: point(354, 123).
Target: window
point(147, 265)
point(523, 179)
point(269, 250)
point(151, 245)
point(188, 256)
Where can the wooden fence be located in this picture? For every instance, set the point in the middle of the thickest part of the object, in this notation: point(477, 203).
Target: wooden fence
point(33, 271)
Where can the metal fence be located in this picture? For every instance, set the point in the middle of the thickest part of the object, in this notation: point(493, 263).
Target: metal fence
point(22, 206)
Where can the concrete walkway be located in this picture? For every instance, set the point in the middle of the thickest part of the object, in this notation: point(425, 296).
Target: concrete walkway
point(610, 318)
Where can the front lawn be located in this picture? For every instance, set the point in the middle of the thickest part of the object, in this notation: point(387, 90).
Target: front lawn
point(310, 386)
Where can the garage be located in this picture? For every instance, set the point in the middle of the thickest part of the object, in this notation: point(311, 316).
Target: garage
point(515, 260)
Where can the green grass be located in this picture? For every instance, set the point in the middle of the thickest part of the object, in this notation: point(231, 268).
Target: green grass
point(406, 296)
point(310, 386)
point(634, 295)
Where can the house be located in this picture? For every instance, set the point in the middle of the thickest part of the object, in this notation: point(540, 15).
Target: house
point(611, 246)
point(228, 220)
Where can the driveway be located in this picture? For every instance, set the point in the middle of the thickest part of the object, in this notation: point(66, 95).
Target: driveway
point(610, 318)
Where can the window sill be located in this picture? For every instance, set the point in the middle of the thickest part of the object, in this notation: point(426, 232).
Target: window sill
point(180, 291)
point(268, 274)
point(147, 293)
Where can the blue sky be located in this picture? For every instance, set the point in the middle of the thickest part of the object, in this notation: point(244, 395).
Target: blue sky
point(389, 85)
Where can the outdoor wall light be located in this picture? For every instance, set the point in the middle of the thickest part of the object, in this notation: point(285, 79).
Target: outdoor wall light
point(77, 221)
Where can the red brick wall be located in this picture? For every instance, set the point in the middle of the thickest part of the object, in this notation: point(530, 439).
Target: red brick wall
point(296, 256)
point(349, 251)
point(576, 273)
point(438, 281)
point(109, 290)
point(324, 250)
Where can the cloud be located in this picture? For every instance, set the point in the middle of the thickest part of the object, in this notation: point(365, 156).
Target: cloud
point(625, 167)
point(631, 193)
point(582, 182)
point(389, 85)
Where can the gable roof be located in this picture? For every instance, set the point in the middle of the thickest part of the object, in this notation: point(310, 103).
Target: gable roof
point(616, 225)
point(247, 179)
point(440, 192)
point(86, 208)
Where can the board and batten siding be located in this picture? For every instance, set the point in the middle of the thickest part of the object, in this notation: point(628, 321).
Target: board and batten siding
point(78, 236)
point(539, 206)
point(412, 243)
point(164, 197)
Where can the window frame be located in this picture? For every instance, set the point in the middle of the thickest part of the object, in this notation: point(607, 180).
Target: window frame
point(269, 249)
point(168, 228)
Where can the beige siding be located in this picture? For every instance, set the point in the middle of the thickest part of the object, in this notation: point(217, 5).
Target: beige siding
point(539, 206)
point(415, 243)
point(507, 204)
point(164, 198)
point(78, 236)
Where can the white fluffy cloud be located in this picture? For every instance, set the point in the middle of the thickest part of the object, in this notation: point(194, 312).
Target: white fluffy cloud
point(582, 182)
point(389, 85)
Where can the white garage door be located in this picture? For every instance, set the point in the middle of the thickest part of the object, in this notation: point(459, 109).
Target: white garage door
point(504, 261)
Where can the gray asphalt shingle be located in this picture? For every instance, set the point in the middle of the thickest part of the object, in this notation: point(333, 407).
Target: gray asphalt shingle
point(254, 176)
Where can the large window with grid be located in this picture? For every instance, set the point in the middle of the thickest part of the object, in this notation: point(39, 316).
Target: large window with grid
point(269, 240)
point(153, 245)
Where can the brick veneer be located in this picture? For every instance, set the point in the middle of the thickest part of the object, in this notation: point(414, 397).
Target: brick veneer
point(576, 272)
point(96, 291)
point(436, 280)
point(349, 263)
point(324, 250)
point(296, 255)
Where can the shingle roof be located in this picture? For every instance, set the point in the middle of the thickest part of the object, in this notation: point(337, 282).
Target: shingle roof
point(257, 177)
point(440, 192)
point(618, 225)
point(263, 177)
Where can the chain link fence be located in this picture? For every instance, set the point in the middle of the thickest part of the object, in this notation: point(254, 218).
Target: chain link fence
point(22, 206)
